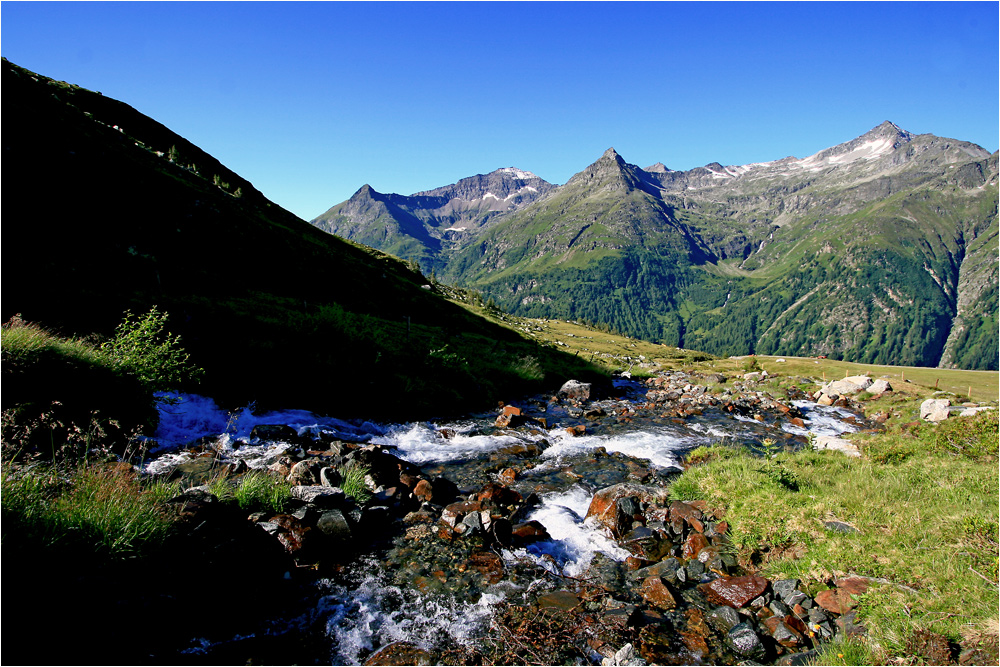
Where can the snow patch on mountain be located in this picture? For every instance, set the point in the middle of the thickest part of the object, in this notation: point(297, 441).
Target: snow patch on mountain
point(517, 173)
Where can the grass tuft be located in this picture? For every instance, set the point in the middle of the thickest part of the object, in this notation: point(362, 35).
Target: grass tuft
point(104, 510)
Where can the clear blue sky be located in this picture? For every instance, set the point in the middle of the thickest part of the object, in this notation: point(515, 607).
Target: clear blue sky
point(309, 101)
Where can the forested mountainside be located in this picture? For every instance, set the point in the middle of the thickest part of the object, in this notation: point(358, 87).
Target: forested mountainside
point(107, 210)
point(882, 249)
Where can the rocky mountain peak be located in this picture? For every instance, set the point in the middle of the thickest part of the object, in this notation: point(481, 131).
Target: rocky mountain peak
point(612, 154)
point(610, 171)
point(364, 192)
point(888, 129)
point(658, 168)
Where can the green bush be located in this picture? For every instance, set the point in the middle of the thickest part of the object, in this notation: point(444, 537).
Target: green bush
point(144, 349)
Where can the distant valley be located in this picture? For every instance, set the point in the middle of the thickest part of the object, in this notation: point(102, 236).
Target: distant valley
point(882, 249)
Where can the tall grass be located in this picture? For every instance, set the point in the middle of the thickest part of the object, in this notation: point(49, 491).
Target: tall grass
point(353, 482)
point(22, 341)
point(103, 510)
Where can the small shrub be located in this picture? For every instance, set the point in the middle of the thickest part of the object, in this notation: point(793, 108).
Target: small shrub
point(144, 349)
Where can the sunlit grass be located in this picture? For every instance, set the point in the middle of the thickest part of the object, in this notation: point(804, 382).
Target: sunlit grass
point(926, 522)
point(104, 510)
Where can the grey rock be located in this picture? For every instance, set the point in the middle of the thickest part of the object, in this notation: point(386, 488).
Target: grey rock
point(784, 587)
point(880, 386)
point(723, 618)
point(278, 432)
point(779, 608)
point(629, 505)
point(934, 409)
point(332, 523)
point(840, 527)
point(303, 473)
point(321, 496)
point(834, 443)
point(575, 390)
point(795, 659)
point(330, 477)
point(473, 520)
point(745, 642)
point(269, 526)
point(796, 597)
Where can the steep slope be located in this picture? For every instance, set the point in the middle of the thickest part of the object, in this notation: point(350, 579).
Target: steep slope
point(419, 227)
point(107, 210)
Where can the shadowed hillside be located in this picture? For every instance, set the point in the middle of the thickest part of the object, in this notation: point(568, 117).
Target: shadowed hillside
point(107, 210)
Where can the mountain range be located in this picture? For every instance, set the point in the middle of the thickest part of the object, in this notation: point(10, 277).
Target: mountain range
point(882, 249)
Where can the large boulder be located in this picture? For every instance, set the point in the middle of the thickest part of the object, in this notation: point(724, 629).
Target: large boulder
point(880, 386)
point(575, 390)
point(837, 444)
point(849, 386)
point(934, 409)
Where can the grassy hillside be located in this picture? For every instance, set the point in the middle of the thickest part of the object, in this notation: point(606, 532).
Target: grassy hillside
point(107, 210)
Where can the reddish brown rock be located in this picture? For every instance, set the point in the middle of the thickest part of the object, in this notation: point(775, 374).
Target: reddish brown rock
point(409, 481)
point(694, 543)
point(561, 600)
point(797, 421)
point(843, 598)
point(521, 450)
point(635, 563)
point(508, 475)
point(486, 562)
point(696, 644)
point(604, 505)
point(656, 593)
point(832, 601)
point(498, 495)
point(528, 532)
point(510, 417)
point(423, 490)
point(687, 513)
point(734, 592)
point(293, 534)
point(852, 585)
point(577, 430)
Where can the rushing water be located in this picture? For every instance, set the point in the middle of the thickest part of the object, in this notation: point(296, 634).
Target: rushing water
point(369, 606)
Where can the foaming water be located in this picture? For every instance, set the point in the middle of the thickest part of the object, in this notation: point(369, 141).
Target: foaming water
point(365, 615)
point(820, 420)
point(421, 443)
point(186, 418)
point(575, 541)
point(661, 446)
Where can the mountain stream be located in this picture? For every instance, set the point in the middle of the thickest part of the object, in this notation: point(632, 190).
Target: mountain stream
point(416, 591)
